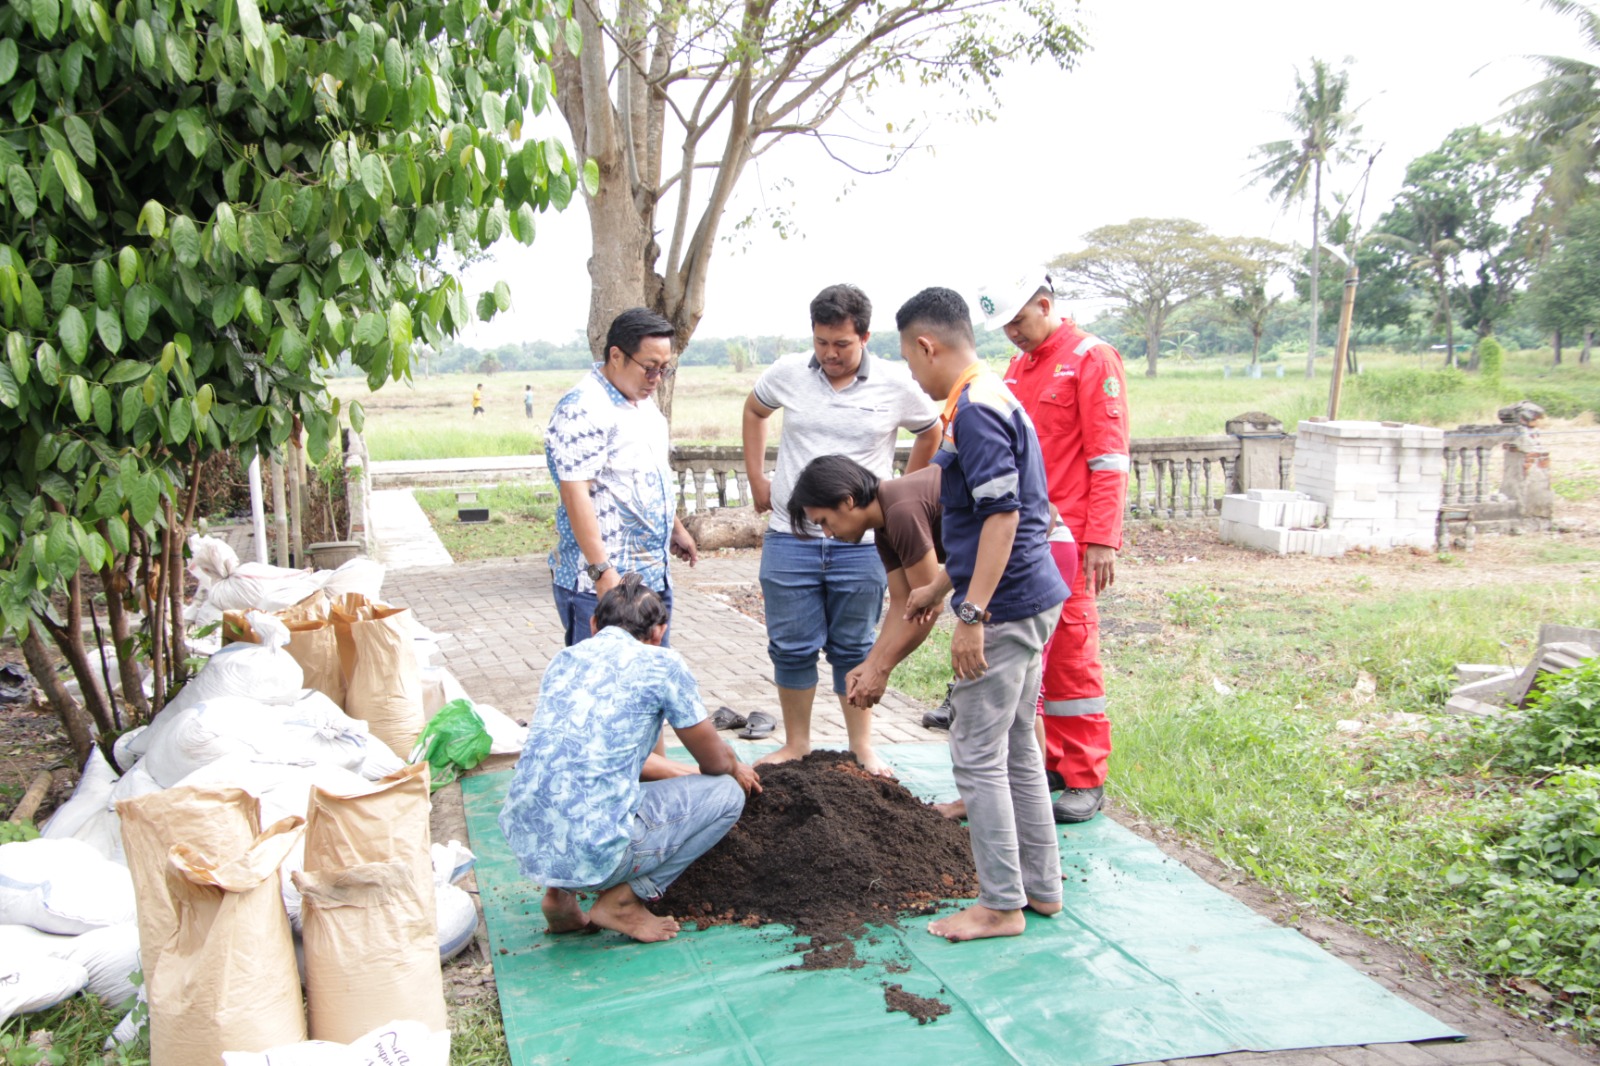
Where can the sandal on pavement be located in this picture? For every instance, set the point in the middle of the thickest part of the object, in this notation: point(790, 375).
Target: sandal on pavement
point(759, 727)
point(727, 718)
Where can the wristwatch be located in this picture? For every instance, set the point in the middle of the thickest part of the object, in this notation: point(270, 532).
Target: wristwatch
point(971, 614)
point(594, 570)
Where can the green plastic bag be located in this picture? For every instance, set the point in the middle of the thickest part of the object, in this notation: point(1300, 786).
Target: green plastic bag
point(454, 740)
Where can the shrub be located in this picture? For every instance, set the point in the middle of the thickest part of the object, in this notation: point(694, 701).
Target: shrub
point(1556, 837)
point(1491, 357)
point(1561, 726)
point(1546, 933)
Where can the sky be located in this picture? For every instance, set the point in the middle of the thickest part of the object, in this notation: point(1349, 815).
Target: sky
point(1158, 119)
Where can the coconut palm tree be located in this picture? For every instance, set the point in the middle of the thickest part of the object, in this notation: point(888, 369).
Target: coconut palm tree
point(1559, 118)
point(1325, 133)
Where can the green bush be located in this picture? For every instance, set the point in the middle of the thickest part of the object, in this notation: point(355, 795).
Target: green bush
point(1556, 837)
point(1561, 726)
point(1546, 933)
point(1491, 357)
point(1568, 402)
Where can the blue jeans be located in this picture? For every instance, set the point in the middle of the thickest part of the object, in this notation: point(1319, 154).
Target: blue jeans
point(576, 608)
point(821, 594)
point(678, 820)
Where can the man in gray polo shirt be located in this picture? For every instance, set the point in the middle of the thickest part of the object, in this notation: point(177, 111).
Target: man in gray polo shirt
point(824, 594)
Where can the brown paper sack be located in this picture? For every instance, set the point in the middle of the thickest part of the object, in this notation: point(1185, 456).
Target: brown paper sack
point(313, 643)
point(216, 821)
point(368, 923)
point(384, 685)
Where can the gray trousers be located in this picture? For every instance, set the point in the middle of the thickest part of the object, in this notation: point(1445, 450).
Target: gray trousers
point(999, 769)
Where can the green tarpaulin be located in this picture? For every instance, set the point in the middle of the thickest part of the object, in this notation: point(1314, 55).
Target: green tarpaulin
point(1146, 962)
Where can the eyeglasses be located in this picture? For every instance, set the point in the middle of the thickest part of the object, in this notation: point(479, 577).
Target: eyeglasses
point(652, 373)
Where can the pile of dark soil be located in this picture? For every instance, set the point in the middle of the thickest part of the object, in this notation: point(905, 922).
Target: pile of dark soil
point(923, 1009)
point(827, 848)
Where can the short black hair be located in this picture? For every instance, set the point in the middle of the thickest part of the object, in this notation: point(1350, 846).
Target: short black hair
point(632, 605)
point(839, 302)
point(826, 481)
point(629, 329)
point(940, 309)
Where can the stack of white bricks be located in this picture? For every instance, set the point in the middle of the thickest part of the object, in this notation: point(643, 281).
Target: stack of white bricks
point(1380, 481)
point(1278, 521)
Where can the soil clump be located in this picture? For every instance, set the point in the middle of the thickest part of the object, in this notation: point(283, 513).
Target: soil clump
point(827, 848)
point(923, 1009)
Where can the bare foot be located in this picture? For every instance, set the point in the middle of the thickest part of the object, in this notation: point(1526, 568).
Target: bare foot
point(561, 911)
point(955, 810)
point(1046, 909)
point(872, 764)
point(619, 910)
point(788, 753)
point(978, 923)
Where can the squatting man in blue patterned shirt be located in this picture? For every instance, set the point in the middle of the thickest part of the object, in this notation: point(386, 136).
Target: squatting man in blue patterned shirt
point(591, 806)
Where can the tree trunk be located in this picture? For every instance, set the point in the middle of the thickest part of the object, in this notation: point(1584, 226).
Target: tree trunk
point(1152, 344)
point(1316, 263)
point(1255, 347)
point(620, 240)
point(114, 580)
point(1558, 348)
point(80, 732)
point(1588, 340)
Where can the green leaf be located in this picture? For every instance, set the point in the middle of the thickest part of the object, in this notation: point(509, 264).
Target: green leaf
point(32, 301)
point(144, 496)
point(22, 103)
point(372, 175)
point(574, 35)
point(10, 394)
point(494, 112)
point(369, 329)
point(591, 177)
point(91, 547)
point(103, 283)
point(46, 17)
point(181, 56)
point(8, 59)
point(144, 44)
point(117, 534)
point(22, 191)
point(152, 219)
point(78, 390)
point(60, 547)
point(81, 138)
point(399, 326)
point(74, 334)
point(49, 364)
point(185, 240)
point(136, 306)
point(560, 189)
point(127, 370)
point(192, 128)
point(108, 324)
point(358, 416)
point(132, 405)
point(100, 400)
point(60, 287)
point(352, 262)
point(252, 304)
point(395, 71)
point(67, 168)
point(224, 225)
point(502, 296)
point(17, 354)
point(255, 35)
point(204, 399)
point(127, 266)
point(180, 420)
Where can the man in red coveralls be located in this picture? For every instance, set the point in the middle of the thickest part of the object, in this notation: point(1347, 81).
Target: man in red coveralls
point(1072, 385)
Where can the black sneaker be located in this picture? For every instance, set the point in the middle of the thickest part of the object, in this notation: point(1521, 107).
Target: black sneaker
point(940, 717)
point(1079, 804)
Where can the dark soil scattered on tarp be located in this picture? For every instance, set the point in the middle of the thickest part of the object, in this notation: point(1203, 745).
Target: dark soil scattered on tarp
point(923, 1009)
point(825, 849)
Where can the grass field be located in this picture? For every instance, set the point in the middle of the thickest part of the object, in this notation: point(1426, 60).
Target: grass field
point(432, 417)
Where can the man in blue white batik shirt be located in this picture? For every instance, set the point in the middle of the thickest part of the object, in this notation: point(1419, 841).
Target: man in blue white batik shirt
point(607, 450)
point(590, 807)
